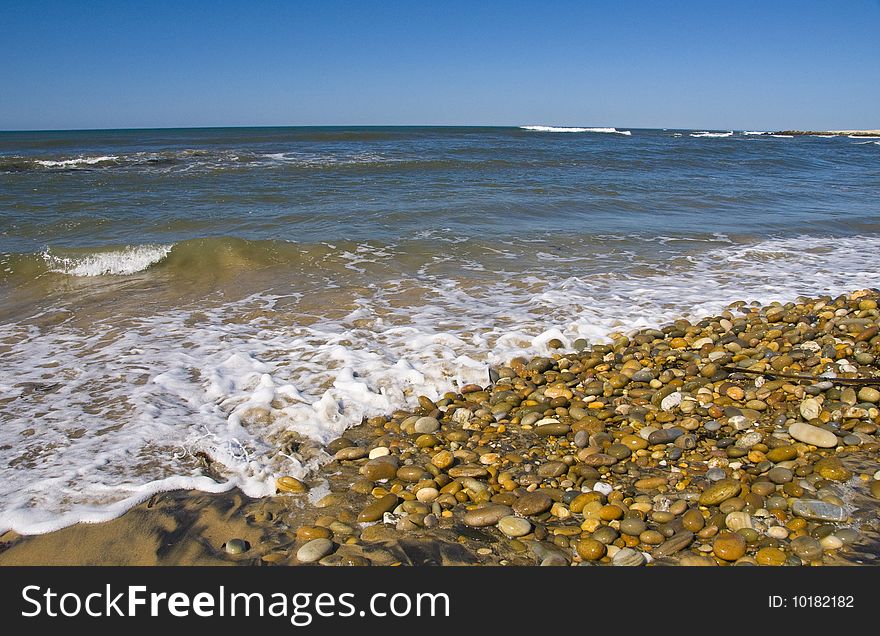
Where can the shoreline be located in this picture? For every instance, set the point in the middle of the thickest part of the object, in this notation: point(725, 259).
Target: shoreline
point(835, 133)
point(649, 449)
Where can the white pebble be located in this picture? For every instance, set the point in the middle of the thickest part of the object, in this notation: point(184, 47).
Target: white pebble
point(379, 451)
point(603, 488)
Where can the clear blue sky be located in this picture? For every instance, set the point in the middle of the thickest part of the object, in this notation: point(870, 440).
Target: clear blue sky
point(690, 64)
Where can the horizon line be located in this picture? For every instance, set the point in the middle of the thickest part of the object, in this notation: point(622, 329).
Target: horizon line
point(271, 126)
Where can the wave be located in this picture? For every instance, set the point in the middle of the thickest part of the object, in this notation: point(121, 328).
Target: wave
point(560, 129)
point(755, 132)
point(119, 262)
point(705, 133)
point(862, 137)
point(783, 136)
point(78, 161)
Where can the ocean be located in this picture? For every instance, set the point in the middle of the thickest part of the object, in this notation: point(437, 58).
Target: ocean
point(205, 308)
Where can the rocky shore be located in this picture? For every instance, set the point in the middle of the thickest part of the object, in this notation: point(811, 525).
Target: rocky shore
point(836, 133)
point(750, 437)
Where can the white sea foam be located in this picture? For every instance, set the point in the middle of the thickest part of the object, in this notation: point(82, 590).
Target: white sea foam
point(97, 419)
point(118, 262)
point(705, 133)
point(783, 136)
point(77, 161)
point(755, 132)
point(861, 137)
point(561, 129)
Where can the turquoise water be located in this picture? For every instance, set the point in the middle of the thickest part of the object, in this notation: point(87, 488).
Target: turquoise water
point(165, 293)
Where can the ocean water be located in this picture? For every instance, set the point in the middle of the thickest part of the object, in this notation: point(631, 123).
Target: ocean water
point(205, 308)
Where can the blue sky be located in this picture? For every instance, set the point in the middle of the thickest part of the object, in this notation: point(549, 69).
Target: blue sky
point(709, 64)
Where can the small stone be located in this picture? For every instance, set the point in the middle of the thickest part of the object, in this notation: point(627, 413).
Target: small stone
point(815, 510)
point(692, 520)
point(729, 546)
point(677, 542)
point(307, 533)
point(379, 451)
point(590, 549)
point(875, 488)
point(426, 425)
point(782, 454)
point(375, 510)
point(671, 401)
point(427, 495)
point(314, 550)
point(291, 485)
point(832, 469)
point(555, 429)
point(468, 470)
point(869, 394)
point(720, 491)
point(532, 503)
point(485, 515)
point(770, 556)
point(807, 548)
point(350, 453)
point(627, 557)
point(443, 459)
point(810, 409)
point(380, 468)
point(632, 526)
point(830, 542)
point(514, 526)
point(779, 475)
point(738, 520)
point(236, 546)
point(809, 434)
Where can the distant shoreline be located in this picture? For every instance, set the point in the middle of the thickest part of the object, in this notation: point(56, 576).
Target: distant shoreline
point(836, 133)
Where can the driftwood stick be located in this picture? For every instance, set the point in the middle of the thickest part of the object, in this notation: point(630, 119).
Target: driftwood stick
point(812, 378)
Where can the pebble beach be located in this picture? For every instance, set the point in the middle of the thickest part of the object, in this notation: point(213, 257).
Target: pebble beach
point(745, 438)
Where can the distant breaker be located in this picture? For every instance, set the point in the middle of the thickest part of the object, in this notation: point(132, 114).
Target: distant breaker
point(562, 129)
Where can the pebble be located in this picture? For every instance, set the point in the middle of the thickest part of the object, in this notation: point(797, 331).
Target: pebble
point(486, 515)
point(809, 434)
point(831, 468)
point(770, 556)
point(632, 526)
point(627, 557)
point(314, 550)
point(810, 409)
point(236, 546)
point(729, 546)
point(426, 425)
point(815, 510)
point(807, 548)
point(375, 510)
point(869, 394)
point(591, 549)
point(720, 491)
point(288, 484)
point(350, 453)
point(677, 542)
point(379, 451)
point(533, 503)
point(830, 542)
point(380, 469)
point(514, 526)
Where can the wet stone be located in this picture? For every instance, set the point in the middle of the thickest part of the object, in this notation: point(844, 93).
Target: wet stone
point(533, 503)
